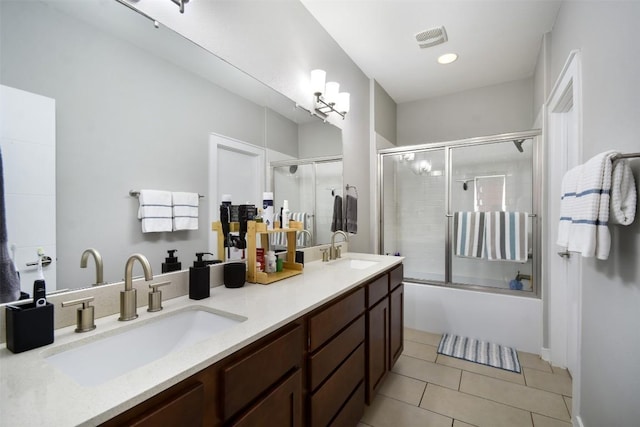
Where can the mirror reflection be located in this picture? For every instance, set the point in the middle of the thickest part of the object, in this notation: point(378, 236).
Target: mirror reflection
point(121, 105)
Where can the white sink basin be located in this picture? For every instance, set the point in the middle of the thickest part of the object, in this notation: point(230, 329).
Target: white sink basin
point(108, 357)
point(356, 264)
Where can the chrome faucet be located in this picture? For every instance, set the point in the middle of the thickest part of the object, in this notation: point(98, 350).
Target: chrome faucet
point(334, 252)
point(128, 306)
point(99, 266)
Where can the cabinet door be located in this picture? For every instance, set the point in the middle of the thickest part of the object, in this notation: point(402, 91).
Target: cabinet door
point(377, 346)
point(396, 324)
point(282, 407)
point(184, 409)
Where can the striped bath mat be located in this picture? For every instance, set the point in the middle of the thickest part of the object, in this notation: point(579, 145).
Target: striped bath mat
point(479, 352)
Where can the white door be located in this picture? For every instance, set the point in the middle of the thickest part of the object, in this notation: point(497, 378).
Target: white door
point(565, 287)
point(236, 168)
point(28, 140)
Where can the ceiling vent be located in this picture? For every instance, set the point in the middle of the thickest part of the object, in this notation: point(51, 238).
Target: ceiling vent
point(431, 37)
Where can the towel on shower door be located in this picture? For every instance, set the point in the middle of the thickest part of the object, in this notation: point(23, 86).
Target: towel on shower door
point(336, 220)
point(584, 217)
point(469, 229)
point(507, 236)
point(185, 210)
point(155, 211)
point(622, 208)
point(351, 214)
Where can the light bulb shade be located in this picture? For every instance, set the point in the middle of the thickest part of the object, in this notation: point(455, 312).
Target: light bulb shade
point(317, 81)
point(342, 104)
point(331, 92)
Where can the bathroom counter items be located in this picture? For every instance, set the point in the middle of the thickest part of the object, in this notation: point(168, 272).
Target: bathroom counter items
point(28, 381)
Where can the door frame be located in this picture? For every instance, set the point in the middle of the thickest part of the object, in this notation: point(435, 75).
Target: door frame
point(564, 299)
point(216, 142)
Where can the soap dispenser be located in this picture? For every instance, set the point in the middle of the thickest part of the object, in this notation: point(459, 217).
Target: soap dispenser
point(171, 262)
point(199, 277)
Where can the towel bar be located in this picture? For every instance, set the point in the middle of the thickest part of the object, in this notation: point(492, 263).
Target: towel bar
point(135, 193)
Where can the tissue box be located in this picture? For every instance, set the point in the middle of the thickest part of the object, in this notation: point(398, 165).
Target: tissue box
point(28, 326)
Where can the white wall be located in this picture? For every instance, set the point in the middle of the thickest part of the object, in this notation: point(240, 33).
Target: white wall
point(507, 107)
point(610, 380)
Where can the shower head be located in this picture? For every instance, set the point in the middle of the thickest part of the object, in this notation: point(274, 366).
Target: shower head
point(518, 144)
point(293, 169)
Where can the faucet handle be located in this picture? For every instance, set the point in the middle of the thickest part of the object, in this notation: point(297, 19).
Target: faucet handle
point(85, 315)
point(155, 296)
point(338, 252)
point(325, 254)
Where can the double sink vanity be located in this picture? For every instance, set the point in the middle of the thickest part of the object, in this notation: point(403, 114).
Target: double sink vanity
point(308, 350)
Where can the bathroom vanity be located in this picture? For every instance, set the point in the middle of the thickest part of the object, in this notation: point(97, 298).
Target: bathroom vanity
point(310, 350)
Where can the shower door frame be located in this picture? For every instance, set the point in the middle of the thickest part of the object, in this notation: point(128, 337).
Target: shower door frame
point(536, 203)
point(314, 161)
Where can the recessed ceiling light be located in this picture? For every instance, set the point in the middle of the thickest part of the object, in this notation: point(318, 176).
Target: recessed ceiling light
point(447, 58)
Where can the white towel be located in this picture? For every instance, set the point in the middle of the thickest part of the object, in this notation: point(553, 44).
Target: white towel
point(469, 230)
point(507, 236)
point(622, 209)
point(587, 208)
point(185, 211)
point(155, 211)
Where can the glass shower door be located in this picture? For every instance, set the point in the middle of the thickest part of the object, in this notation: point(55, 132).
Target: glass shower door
point(492, 183)
point(414, 211)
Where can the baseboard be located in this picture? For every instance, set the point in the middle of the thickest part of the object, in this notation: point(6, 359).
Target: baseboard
point(578, 422)
point(545, 354)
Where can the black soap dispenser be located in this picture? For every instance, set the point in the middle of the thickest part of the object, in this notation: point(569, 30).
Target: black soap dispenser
point(171, 262)
point(199, 277)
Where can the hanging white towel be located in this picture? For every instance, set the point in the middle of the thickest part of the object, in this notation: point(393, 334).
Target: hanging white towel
point(155, 211)
point(568, 205)
point(507, 236)
point(185, 211)
point(469, 230)
point(622, 209)
point(587, 210)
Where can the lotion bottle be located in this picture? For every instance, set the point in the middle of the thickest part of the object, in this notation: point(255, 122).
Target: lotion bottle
point(285, 214)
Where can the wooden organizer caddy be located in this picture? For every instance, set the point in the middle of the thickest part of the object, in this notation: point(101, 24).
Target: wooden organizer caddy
point(257, 230)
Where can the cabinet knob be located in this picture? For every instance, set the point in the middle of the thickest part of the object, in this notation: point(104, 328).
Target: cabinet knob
point(84, 315)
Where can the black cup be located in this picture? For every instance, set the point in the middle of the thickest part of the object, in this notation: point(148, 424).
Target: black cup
point(235, 274)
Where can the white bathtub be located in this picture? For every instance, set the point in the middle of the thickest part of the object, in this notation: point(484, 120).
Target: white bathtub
point(503, 319)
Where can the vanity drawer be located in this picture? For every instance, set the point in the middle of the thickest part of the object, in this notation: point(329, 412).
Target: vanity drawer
point(328, 322)
point(329, 398)
point(261, 367)
point(395, 277)
point(377, 289)
point(352, 411)
point(329, 357)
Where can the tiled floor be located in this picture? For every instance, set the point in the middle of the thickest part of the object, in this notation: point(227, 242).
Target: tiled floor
point(428, 389)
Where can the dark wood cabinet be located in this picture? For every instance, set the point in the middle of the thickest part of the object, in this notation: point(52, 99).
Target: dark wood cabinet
point(282, 406)
point(377, 346)
point(318, 370)
point(396, 324)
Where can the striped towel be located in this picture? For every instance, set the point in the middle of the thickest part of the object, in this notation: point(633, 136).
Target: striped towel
point(469, 229)
point(587, 208)
point(506, 236)
point(155, 211)
point(185, 211)
point(302, 239)
point(624, 196)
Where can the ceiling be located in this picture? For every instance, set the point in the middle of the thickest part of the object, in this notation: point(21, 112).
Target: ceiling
point(496, 41)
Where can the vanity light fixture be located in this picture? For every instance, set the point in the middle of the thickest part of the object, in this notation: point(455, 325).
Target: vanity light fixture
point(327, 95)
point(181, 3)
point(447, 58)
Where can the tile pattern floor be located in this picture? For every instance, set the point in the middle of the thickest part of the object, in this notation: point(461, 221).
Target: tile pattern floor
point(428, 389)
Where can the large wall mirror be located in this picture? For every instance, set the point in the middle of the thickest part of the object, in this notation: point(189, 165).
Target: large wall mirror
point(135, 105)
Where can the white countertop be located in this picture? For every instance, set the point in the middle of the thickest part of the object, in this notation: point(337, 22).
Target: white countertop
point(32, 392)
